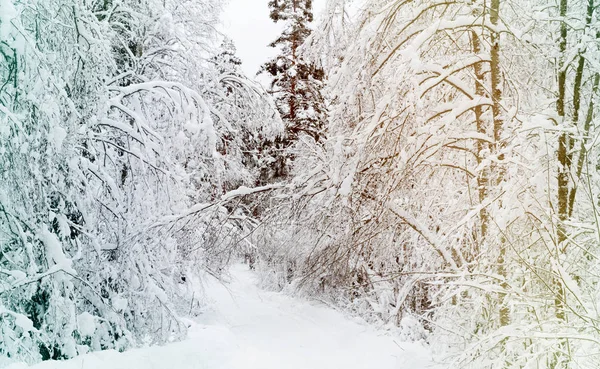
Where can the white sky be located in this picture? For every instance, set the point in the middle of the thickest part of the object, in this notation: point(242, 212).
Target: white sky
point(247, 22)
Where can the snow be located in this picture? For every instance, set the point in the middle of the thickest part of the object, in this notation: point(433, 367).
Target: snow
point(24, 322)
point(249, 328)
point(346, 186)
point(21, 320)
point(429, 236)
point(54, 252)
point(57, 136)
point(245, 191)
point(86, 324)
point(6, 16)
point(17, 275)
point(119, 303)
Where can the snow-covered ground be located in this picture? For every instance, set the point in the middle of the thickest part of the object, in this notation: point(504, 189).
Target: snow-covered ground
point(249, 328)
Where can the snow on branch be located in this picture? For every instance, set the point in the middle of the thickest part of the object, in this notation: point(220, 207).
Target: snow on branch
point(431, 238)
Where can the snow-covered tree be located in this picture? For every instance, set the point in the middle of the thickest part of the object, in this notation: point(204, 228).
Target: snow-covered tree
point(113, 173)
point(433, 196)
point(296, 82)
point(247, 119)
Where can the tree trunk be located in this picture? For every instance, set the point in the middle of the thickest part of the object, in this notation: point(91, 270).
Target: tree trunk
point(576, 107)
point(498, 127)
point(564, 169)
point(482, 146)
point(293, 81)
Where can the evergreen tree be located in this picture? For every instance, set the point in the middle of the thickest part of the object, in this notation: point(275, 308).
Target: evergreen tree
point(296, 83)
point(227, 62)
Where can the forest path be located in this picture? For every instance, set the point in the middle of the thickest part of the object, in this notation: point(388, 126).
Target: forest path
point(249, 328)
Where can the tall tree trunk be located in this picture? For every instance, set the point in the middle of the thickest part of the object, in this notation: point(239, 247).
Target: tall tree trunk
point(564, 169)
point(482, 146)
point(293, 81)
point(498, 120)
point(576, 107)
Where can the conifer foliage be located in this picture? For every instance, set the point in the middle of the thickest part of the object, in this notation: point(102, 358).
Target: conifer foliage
point(297, 82)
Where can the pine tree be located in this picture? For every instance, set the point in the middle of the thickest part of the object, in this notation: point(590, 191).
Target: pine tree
point(296, 83)
point(227, 62)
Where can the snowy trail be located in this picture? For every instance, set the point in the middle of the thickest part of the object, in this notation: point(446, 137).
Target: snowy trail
point(249, 328)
